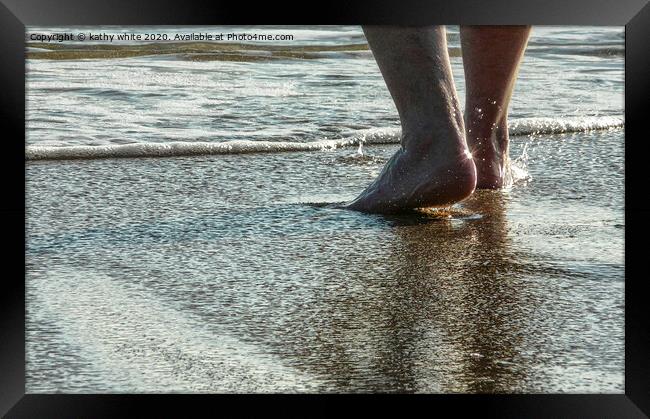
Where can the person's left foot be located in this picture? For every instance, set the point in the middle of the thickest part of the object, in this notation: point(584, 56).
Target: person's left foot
point(420, 177)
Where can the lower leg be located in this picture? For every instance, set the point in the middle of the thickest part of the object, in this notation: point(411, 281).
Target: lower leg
point(491, 57)
point(432, 166)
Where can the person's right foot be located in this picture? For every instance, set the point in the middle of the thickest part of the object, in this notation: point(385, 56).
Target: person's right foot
point(491, 58)
point(487, 139)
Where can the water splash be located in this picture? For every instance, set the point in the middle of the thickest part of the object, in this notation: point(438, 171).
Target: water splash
point(517, 169)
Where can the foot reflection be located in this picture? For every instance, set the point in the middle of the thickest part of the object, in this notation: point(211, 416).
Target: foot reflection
point(442, 315)
point(455, 323)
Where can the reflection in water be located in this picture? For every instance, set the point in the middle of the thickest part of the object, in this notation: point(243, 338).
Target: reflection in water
point(209, 274)
point(443, 316)
point(451, 276)
point(224, 281)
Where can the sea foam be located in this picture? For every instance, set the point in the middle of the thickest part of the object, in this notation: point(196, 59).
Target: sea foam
point(519, 127)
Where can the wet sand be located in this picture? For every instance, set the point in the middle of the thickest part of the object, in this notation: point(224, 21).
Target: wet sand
point(227, 273)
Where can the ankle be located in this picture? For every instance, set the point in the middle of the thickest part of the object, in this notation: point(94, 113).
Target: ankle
point(434, 140)
point(487, 134)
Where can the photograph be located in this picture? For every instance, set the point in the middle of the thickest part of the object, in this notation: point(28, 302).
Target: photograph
point(432, 209)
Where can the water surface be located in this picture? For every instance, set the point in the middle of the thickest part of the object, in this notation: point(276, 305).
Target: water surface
point(230, 273)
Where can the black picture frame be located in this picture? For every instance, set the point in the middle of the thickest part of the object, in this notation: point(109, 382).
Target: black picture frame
point(16, 14)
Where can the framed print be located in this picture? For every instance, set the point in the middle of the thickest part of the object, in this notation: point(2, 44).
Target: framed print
point(206, 201)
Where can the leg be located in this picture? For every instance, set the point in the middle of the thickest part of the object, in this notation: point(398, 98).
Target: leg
point(491, 57)
point(433, 166)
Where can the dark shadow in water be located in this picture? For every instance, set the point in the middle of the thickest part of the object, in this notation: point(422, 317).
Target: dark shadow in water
point(444, 317)
point(455, 276)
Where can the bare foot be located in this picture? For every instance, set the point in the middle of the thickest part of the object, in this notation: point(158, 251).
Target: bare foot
point(432, 175)
point(487, 139)
point(491, 58)
point(433, 167)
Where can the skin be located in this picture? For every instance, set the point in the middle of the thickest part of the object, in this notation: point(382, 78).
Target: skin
point(434, 167)
point(491, 58)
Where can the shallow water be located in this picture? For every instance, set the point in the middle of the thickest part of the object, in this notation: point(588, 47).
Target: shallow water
point(230, 273)
point(164, 97)
point(200, 274)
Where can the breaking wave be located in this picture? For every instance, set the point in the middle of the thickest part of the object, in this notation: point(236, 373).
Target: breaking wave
point(524, 126)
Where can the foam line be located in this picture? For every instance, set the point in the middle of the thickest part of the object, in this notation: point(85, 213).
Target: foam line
point(525, 126)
